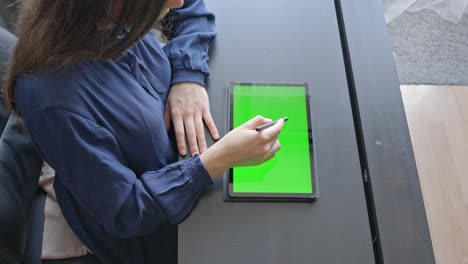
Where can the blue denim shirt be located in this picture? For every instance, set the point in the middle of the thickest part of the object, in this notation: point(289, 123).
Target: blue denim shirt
point(100, 125)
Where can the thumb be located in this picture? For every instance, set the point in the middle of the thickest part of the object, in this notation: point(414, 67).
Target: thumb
point(256, 121)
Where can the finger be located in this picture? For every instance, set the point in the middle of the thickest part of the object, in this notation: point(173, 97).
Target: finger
point(276, 146)
point(273, 131)
point(167, 117)
point(199, 129)
point(180, 134)
point(211, 125)
point(191, 135)
point(256, 121)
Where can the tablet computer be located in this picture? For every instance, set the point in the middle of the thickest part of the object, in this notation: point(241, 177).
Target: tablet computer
point(290, 175)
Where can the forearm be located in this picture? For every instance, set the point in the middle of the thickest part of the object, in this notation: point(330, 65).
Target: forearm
point(191, 33)
point(164, 196)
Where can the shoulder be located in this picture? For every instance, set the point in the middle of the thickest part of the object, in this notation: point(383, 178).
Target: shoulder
point(68, 88)
point(46, 87)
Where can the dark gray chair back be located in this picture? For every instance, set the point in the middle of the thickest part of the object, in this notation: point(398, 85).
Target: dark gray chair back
point(20, 166)
point(7, 41)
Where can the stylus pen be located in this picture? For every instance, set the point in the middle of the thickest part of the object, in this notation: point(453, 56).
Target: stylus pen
point(260, 128)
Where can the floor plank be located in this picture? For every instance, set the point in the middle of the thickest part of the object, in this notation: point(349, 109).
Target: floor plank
point(438, 122)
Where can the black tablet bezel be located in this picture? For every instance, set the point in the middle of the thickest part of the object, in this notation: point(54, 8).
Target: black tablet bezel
point(231, 195)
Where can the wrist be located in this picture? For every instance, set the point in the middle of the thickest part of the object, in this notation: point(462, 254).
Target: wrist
point(215, 160)
point(186, 75)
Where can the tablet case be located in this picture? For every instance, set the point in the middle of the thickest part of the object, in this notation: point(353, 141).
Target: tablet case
point(227, 121)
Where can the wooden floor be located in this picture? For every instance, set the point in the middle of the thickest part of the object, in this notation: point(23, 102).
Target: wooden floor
point(438, 121)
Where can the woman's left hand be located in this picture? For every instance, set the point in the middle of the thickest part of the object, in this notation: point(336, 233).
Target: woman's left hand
point(188, 107)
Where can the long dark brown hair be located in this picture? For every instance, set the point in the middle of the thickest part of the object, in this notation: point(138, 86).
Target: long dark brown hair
point(55, 33)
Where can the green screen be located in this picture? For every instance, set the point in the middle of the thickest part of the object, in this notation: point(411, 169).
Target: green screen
point(290, 170)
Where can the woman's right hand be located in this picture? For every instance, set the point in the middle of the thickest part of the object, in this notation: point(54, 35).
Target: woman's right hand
point(243, 146)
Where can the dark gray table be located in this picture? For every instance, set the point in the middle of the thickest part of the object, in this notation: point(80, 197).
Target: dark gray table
point(285, 41)
point(393, 192)
point(370, 208)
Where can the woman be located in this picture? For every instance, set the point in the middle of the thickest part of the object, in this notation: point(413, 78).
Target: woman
point(93, 88)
